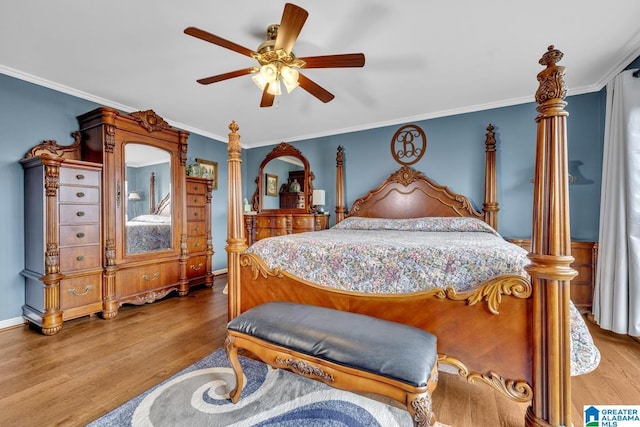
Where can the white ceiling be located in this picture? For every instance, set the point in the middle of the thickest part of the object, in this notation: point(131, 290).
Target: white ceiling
point(424, 59)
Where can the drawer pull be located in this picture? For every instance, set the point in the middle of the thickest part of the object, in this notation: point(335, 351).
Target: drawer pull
point(80, 194)
point(80, 235)
point(155, 276)
point(80, 176)
point(87, 288)
point(198, 267)
point(80, 213)
point(80, 257)
point(197, 245)
point(197, 228)
point(195, 214)
point(195, 200)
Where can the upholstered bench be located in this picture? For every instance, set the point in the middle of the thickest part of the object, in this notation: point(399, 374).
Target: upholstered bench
point(345, 350)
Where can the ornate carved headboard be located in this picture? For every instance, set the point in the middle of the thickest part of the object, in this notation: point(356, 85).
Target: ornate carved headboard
point(407, 193)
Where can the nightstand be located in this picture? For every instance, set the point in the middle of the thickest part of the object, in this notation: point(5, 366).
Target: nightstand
point(586, 257)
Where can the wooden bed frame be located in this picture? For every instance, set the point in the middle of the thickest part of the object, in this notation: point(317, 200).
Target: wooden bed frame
point(519, 328)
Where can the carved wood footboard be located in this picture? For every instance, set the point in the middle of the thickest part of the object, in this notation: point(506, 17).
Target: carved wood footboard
point(493, 317)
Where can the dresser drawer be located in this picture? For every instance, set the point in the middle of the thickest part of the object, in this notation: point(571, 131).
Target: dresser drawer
point(196, 266)
point(303, 223)
point(196, 244)
point(79, 176)
point(80, 291)
point(262, 233)
point(78, 214)
point(76, 258)
point(85, 234)
point(69, 194)
point(196, 200)
point(279, 221)
point(196, 228)
point(195, 214)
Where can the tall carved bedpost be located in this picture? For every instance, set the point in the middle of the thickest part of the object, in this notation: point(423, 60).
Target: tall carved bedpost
point(550, 255)
point(340, 206)
point(490, 206)
point(236, 242)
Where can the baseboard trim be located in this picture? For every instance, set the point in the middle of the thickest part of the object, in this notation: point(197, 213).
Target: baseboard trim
point(11, 323)
point(220, 272)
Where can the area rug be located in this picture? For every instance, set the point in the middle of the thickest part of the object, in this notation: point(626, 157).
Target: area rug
point(198, 396)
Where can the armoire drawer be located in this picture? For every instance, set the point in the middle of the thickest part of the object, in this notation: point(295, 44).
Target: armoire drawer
point(80, 291)
point(196, 228)
point(79, 214)
point(70, 194)
point(75, 258)
point(196, 200)
point(195, 213)
point(196, 244)
point(84, 234)
point(79, 177)
point(196, 188)
point(138, 280)
point(196, 266)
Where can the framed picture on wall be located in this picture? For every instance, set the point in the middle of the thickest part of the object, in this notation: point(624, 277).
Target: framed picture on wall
point(271, 185)
point(209, 169)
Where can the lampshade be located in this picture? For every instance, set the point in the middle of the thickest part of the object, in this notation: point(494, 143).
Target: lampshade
point(318, 197)
point(134, 196)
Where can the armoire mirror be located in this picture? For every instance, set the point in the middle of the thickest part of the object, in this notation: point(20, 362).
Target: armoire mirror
point(148, 219)
point(274, 190)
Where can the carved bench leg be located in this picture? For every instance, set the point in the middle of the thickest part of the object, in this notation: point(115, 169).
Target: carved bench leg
point(419, 406)
point(232, 354)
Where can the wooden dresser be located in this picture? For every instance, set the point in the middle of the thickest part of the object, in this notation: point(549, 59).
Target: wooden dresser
point(292, 200)
point(199, 238)
point(263, 225)
point(586, 257)
point(63, 262)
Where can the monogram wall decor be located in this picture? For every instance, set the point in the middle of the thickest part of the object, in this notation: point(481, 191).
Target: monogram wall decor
point(408, 145)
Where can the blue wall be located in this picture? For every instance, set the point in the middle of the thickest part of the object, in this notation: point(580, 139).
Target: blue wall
point(30, 114)
point(455, 157)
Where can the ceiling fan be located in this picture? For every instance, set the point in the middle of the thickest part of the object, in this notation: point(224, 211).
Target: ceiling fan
point(277, 62)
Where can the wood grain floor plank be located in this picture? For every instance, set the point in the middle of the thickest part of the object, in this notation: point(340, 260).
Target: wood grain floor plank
point(92, 366)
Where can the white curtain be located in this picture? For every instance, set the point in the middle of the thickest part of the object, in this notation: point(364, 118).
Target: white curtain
point(616, 302)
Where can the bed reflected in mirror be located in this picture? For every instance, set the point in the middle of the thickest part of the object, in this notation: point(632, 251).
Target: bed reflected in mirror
point(148, 218)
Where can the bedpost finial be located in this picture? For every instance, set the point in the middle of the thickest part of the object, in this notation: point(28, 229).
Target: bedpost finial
point(490, 140)
point(551, 56)
point(234, 140)
point(552, 86)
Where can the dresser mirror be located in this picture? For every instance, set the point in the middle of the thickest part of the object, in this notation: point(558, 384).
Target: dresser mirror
point(284, 182)
point(148, 222)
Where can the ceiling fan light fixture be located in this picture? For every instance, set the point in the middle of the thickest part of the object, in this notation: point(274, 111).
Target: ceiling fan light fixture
point(266, 74)
point(289, 77)
point(274, 88)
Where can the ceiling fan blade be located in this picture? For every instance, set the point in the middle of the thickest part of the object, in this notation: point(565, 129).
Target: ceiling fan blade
point(206, 36)
point(315, 89)
point(267, 98)
point(335, 61)
point(293, 18)
point(226, 76)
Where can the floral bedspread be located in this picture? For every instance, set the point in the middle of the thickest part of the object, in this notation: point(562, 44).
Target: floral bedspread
point(376, 255)
point(148, 233)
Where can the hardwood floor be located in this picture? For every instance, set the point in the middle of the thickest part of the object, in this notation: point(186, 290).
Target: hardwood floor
point(94, 365)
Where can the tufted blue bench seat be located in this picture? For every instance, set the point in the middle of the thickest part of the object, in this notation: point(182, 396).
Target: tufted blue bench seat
point(345, 350)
